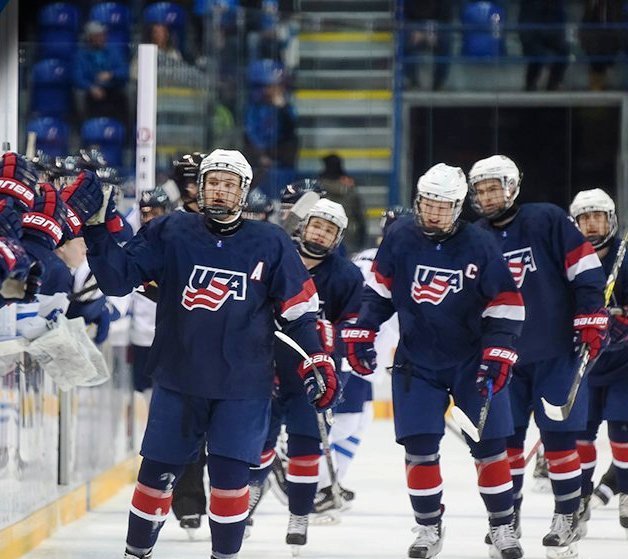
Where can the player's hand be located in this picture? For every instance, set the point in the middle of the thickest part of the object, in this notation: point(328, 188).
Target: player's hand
point(495, 369)
point(84, 197)
point(591, 330)
point(321, 397)
point(18, 180)
point(326, 333)
point(360, 349)
point(47, 219)
point(618, 329)
point(10, 220)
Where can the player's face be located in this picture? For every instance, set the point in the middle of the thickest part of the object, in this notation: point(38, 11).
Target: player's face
point(594, 225)
point(321, 232)
point(222, 189)
point(489, 194)
point(148, 214)
point(436, 215)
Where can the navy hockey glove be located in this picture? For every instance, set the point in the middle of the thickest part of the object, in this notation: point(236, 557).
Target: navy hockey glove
point(84, 197)
point(321, 398)
point(10, 220)
point(18, 180)
point(47, 220)
point(591, 330)
point(326, 333)
point(496, 367)
point(618, 330)
point(360, 349)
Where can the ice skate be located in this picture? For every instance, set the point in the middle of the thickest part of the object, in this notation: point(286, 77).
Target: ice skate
point(428, 542)
point(278, 482)
point(347, 494)
point(325, 510)
point(516, 526)
point(191, 523)
point(584, 515)
point(542, 482)
point(129, 555)
point(605, 490)
point(561, 541)
point(297, 532)
point(504, 542)
point(623, 511)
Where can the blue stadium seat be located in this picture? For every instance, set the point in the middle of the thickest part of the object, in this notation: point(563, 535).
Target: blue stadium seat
point(108, 134)
point(52, 135)
point(482, 35)
point(169, 14)
point(58, 30)
point(115, 16)
point(51, 88)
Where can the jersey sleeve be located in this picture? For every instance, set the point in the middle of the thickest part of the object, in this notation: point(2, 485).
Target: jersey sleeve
point(377, 306)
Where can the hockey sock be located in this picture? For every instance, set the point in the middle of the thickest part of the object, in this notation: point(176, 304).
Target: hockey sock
point(150, 504)
point(228, 504)
point(302, 476)
point(494, 479)
point(517, 463)
point(260, 473)
point(425, 485)
point(585, 445)
point(618, 434)
point(564, 470)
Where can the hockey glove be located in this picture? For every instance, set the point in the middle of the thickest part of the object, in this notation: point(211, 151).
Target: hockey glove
point(326, 333)
point(496, 366)
point(18, 180)
point(84, 197)
point(360, 349)
point(618, 330)
point(321, 397)
point(10, 220)
point(592, 331)
point(45, 223)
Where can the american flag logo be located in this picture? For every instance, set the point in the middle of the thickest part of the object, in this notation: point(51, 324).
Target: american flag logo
point(431, 285)
point(209, 288)
point(519, 262)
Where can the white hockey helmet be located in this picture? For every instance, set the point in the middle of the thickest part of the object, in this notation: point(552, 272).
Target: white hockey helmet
point(441, 183)
point(233, 162)
point(595, 200)
point(329, 211)
point(497, 167)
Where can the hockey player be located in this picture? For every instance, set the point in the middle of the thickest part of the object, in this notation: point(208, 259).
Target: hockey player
point(185, 175)
point(258, 207)
point(297, 198)
point(222, 283)
point(460, 314)
point(562, 283)
point(594, 213)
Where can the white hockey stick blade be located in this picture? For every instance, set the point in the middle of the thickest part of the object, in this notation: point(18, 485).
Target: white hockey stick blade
point(465, 423)
point(556, 413)
point(300, 209)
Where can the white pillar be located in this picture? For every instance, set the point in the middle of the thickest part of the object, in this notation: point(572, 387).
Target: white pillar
point(146, 132)
point(8, 77)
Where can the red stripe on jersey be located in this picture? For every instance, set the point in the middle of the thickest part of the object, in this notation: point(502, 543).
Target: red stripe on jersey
point(620, 452)
point(493, 474)
point(511, 298)
point(585, 249)
point(586, 451)
point(151, 501)
point(381, 278)
point(562, 461)
point(516, 458)
point(303, 466)
point(306, 293)
point(9, 162)
point(229, 502)
point(423, 477)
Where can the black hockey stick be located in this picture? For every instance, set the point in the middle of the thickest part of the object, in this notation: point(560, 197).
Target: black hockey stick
point(322, 427)
point(560, 413)
point(463, 421)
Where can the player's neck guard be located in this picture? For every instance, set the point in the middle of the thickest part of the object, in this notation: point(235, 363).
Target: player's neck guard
point(222, 227)
point(505, 217)
point(312, 250)
point(441, 236)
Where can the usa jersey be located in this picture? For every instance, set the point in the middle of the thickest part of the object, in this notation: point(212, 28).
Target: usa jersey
point(559, 275)
point(453, 298)
point(612, 365)
point(219, 298)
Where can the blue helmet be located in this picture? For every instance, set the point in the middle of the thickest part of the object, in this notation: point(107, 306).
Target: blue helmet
point(265, 72)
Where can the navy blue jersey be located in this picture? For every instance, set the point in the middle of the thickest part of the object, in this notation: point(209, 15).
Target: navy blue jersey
point(219, 298)
point(558, 273)
point(453, 298)
point(613, 365)
point(56, 277)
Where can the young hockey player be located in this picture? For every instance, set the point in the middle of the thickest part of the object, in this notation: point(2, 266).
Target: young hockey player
point(460, 314)
point(594, 213)
point(562, 284)
point(223, 282)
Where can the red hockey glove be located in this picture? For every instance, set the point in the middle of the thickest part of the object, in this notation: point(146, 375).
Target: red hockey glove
point(18, 180)
point(326, 396)
point(84, 198)
point(360, 349)
point(326, 333)
point(496, 366)
point(592, 330)
point(47, 219)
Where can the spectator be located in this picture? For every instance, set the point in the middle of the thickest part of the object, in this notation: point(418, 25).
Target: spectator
point(341, 188)
point(102, 73)
point(424, 36)
point(548, 40)
point(168, 55)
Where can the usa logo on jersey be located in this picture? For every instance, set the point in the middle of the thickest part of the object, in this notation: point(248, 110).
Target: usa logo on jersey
point(431, 285)
point(209, 288)
point(519, 262)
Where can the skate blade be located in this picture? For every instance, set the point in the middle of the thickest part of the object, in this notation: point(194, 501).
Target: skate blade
point(562, 552)
point(626, 529)
point(596, 502)
point(327, 518)
point(295, 550)
point(247, 532)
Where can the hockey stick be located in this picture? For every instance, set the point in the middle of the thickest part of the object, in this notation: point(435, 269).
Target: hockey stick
point(322, 428)
point(533, 451)
point(297, 213)
point(560, 413)
point(463, 421)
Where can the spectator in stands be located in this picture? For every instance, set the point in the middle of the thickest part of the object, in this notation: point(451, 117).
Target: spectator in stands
point(603, 43)
point(341, 188)
point(102, 73)
point(547, 40)
point(423, 35)
point(168, 55)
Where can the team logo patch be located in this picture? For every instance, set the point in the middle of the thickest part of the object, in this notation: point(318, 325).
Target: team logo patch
point(432, 285)
point(519, 262)
point(209, 288)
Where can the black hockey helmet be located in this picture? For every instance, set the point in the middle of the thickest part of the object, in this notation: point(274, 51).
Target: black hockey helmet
point(392, 214)
point(293, 191)
point(258, 206)
point(185, 170)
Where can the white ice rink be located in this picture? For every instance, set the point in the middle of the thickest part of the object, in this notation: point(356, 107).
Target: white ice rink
point(377, 526)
